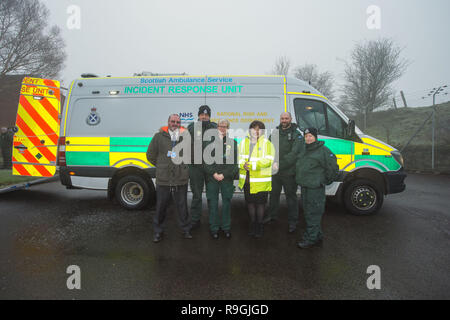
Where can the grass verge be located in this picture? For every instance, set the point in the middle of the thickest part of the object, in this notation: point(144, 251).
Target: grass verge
point(7, 178)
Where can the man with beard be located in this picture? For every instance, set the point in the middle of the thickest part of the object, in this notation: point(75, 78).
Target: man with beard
point(290, 143)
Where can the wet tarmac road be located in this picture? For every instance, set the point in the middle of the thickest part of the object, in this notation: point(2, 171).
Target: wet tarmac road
point(45, 229)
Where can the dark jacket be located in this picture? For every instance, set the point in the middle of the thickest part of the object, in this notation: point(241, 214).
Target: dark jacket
point(167, 173)
point(198, 136)
point(316, 166)
point(290, 143)
point(229, 166)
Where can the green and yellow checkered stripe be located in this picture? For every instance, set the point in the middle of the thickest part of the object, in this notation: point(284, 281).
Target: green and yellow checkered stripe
point(107, 151)
point(121, 152)
point(352, 155)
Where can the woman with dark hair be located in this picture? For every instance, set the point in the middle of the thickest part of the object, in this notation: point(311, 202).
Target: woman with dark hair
point(256, 156)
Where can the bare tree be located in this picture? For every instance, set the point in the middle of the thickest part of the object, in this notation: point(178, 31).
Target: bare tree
point(374, 66)
point(282, 65)
point(321, 81)
point(27, 45)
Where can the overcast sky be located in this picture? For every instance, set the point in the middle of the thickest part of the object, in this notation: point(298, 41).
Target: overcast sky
point(122, 37)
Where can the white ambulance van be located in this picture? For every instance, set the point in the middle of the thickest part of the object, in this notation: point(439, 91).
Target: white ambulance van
point(98, 139)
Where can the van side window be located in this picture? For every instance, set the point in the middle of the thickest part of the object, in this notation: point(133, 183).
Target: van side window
point(313, 113)
point(310, 113)
point(336, 126)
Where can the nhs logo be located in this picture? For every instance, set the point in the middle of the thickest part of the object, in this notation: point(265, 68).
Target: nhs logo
point(186, 116)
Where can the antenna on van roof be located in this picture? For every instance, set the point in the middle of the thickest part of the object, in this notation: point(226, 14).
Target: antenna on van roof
point(89, 75)
point(151, 74)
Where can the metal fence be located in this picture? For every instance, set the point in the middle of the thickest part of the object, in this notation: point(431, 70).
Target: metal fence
point(434, 155)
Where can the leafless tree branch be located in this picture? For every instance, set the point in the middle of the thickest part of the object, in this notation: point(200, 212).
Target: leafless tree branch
point(282, 65)
point(374, 66)
point(321, 81)
point(27, 44)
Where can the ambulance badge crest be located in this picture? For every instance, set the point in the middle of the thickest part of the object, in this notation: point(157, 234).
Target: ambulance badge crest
point(93, 118)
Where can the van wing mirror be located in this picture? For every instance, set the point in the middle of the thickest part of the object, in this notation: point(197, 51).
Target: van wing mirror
point(351, 128)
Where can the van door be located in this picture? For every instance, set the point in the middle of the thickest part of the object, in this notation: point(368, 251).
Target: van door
point(37, 128)
point(331, 127)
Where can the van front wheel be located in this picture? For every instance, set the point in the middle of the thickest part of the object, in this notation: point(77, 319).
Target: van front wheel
point(363, 197)
point(132, 192)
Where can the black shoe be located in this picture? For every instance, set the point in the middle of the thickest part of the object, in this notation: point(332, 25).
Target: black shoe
point(187, 235)
point(195, 224)
point(215, 235)
point(292, 228)
point(227, 234)
point(307, 244)
point(157, 237)
point(269, 219)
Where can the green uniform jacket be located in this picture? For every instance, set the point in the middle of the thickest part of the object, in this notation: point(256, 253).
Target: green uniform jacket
point(229, 167)
point(199, 136)
point(288, 149)
point(167, 173)
point(316, 166)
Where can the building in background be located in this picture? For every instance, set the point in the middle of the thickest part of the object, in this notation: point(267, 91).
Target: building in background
point(9, 99)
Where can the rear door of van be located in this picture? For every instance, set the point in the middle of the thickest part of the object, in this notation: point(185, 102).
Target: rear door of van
point(37, 128)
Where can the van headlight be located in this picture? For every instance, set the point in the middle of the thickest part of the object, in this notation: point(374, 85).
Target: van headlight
point(398, 157)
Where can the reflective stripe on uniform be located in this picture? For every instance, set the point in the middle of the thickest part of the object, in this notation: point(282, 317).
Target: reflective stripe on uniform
point(260, 179)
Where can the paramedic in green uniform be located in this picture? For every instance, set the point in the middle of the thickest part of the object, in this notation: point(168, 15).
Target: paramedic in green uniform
point(196, 173)
point(219, 176)
point(289, 135)
point(316, 167)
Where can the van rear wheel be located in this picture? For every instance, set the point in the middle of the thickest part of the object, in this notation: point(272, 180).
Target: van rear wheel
point(133, 192)
point(363, 197)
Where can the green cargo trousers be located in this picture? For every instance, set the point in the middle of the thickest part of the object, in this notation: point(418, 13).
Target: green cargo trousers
point(290, 190)
point(313, 200)
point(212, 194)
point(197, 179)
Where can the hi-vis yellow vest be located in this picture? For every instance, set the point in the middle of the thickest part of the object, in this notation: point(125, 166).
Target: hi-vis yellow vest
point(261, 161)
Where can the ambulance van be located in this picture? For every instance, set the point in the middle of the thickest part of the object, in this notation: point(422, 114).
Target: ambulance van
point(98, 139)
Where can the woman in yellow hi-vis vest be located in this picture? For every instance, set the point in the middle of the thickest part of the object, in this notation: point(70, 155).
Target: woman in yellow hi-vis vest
point(256, 156)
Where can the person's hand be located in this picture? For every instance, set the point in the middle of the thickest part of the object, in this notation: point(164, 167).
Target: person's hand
point(275, 166)
point(216, 176)
point(246, 166)
point(221, 177)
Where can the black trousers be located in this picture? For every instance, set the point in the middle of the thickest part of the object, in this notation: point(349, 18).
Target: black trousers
point(163, 195)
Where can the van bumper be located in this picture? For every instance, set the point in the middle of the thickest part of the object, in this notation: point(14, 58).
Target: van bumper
point(395, 181)
point(91, 172)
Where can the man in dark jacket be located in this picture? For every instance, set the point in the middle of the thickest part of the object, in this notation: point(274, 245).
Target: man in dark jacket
point(196, 173)
point(171, 178)
point(316, 167)
point(289, 136)
point(220, 175)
